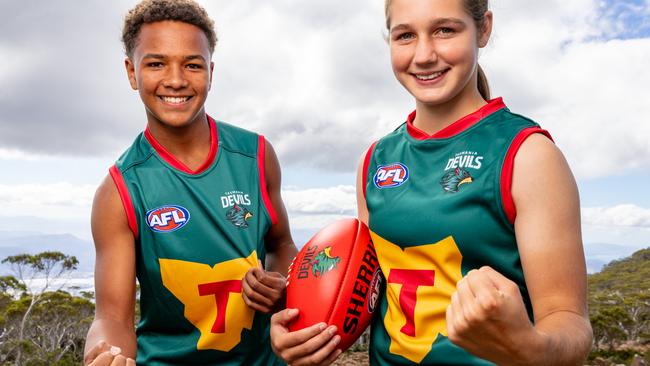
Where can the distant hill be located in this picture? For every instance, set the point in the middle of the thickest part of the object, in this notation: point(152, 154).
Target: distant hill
point(599, 254)
point(627, 275)
point(15, 242)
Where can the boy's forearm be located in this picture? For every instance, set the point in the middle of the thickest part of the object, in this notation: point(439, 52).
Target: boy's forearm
point(280, 259)
point(113, 332)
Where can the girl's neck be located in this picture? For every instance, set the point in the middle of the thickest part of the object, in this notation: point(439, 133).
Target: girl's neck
point(431, 118)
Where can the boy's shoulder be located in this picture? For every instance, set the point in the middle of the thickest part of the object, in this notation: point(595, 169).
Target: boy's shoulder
point(237, 139)
point(139, 152)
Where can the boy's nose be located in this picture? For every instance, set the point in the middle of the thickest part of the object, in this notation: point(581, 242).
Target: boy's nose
point(175, 79)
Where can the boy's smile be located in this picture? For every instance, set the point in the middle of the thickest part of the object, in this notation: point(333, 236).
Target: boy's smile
point(172, 71)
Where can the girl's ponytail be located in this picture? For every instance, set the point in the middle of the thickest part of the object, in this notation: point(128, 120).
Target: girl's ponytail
point(483, 86)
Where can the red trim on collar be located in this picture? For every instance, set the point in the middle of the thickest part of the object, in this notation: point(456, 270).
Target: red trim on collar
point(171, 160)
point(458, 126)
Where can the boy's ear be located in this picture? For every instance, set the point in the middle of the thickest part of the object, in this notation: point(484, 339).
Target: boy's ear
point(130, 72)
point(211, 72)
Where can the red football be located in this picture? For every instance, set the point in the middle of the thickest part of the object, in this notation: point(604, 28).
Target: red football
point(335, 279)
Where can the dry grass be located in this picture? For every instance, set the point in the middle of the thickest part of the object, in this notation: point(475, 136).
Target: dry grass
point(350, 358)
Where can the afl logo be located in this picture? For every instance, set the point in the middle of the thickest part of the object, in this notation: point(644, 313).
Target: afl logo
point(166, 219)
point(391, 175)
point(373, 293)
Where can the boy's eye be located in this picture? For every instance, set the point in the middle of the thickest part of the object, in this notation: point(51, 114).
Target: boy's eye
point(194, 66)
point(154, 64)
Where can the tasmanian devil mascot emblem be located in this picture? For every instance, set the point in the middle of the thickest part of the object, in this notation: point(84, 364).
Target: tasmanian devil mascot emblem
point(452, 181)
point(238, 216)
point(323, 262)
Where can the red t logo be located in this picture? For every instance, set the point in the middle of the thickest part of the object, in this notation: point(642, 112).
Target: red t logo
point(410, 279)
point(221, 291)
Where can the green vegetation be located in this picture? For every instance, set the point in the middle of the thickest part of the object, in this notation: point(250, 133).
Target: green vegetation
point(47, 326)
point(42, 325)
point(619, 308)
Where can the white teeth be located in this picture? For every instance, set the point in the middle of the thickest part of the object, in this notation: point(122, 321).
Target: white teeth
point(175, 100)
point(430, 76)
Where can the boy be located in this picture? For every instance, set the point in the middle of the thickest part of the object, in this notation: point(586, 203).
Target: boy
point(192, 208)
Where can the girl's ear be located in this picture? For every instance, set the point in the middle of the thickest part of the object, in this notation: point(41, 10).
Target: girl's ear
point(486, 30)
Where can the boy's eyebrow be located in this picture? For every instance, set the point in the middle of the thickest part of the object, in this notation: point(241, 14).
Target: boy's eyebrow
point(434, 23)
point(162, 57)
point(153, 55)
point(194, 57)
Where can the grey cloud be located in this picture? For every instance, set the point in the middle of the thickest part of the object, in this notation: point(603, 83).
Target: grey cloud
point(74, 98)
point(70, 95)
point(314, 77)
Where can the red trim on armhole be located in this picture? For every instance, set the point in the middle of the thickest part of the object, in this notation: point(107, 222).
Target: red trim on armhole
point(261, 167)
point(508, 166)
point(126, 199)
point(366, 163)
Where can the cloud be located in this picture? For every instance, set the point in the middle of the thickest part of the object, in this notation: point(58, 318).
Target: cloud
point(587, 89)
point(57, 201)
point(315, 78)
point(627, 215)
point(60, 78)
point(312, 209)
point(18, 155)
point(338, 200)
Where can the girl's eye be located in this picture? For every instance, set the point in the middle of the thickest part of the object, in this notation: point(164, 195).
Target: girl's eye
point(445, 31)
point(405, 36)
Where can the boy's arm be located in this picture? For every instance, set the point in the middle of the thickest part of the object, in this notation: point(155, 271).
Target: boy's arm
point(279, 243)
point(264, 290)
point(111, 335)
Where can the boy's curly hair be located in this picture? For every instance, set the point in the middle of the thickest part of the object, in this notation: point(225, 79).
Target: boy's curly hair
point(150, 11)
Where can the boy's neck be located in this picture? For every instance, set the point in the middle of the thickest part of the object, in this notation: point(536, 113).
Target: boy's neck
point(189, 144)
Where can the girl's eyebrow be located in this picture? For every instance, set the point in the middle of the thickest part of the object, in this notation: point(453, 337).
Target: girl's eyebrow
point(436, 22)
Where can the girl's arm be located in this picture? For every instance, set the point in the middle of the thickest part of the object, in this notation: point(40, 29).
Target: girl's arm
point(487, 316)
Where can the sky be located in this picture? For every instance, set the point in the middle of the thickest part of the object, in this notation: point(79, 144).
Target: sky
point(315, 78)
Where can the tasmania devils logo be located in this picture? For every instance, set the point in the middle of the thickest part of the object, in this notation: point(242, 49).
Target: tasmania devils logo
point(166, 219)
point(391, 175)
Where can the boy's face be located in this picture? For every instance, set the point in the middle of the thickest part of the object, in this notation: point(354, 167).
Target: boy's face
point(172, 71)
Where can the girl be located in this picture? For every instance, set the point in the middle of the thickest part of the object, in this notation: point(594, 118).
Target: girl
point(473, 211)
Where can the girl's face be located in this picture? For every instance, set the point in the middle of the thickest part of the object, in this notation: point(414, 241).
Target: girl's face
point(434, 48)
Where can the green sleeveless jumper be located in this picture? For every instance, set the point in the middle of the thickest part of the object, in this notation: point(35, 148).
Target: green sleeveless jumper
point(440, 206)
point(197, 234)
